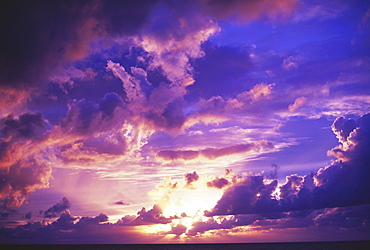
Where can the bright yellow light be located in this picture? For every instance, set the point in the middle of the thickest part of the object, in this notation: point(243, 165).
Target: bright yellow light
point(184, 203)
point(156, 228)
point(191, 202)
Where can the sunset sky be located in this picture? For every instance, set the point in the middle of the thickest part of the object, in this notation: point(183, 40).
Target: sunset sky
point(174, 121)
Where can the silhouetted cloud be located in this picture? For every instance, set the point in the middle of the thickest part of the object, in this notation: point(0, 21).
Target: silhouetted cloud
point(152, 216)
point(344, 183)
point(120, 203)
point(191, 177)
point(57, 208)
point(218, 183)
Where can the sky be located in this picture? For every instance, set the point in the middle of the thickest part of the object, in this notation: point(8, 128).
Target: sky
point(173, 121)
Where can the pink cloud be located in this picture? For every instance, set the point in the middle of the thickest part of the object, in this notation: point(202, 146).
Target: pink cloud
point(213, 153)
point(247, 11)
point(299, 102)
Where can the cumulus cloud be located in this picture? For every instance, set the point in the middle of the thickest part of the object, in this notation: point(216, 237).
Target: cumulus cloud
point(213, 153)
point(152, 216)
point(343, 183)
point(191, 177)
point(248, 194)
point(23, 168)
point(90, 230)
point(57, 208)
point(218, 182)
point(86, 221)
point(175, 38)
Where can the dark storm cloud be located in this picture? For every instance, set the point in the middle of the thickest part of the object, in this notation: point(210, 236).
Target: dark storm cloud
point(344, 183)
point(57, 208)
point(27, 126)
point(40, 34)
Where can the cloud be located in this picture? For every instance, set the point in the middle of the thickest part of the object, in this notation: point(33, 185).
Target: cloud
point(160, 107)
point(12, 100)
point(299, 102)
point(86, 117)
point(60, 32)
point(213, 153)
point(130, 84)
point(290, 62)
point(191, 177)
point(28, 215)
point(344, 217)
point(342, 128)
point(259, 91)
point(21, 179)
point(87, 221)
point(343, 183)
point(218, 183)
point(65, 77)
point(248, 194)
point(322, 11)
point(57, 208)
point(247, 11)
point(175, 38)
point(121, 203)
point(27, 126)
point(200, 227)
point(95, 230)
point(23, 167)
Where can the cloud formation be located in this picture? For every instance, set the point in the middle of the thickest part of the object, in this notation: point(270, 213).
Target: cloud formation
point(57, 208)
point(23, 169)
point(59, 33)
point(213, 153)
point(344, 183)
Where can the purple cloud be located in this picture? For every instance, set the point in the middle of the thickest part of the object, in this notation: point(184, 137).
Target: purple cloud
point(213, 153)
point(57, 208)
point(344, 183)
